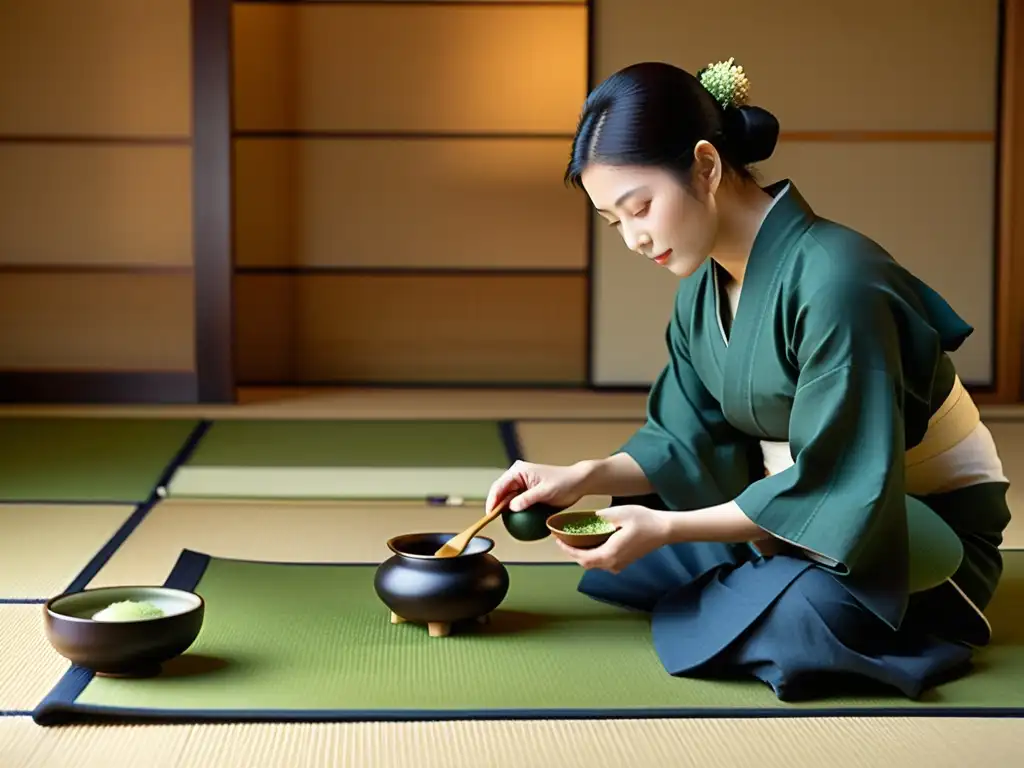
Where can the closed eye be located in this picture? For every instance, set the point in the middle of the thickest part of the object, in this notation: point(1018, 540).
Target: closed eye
point(639, 214)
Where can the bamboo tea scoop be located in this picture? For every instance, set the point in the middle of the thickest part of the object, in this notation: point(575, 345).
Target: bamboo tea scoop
point(455, 545)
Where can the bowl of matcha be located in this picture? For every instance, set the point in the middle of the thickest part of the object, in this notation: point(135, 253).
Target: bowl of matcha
point(123, 631)
point(582, 529)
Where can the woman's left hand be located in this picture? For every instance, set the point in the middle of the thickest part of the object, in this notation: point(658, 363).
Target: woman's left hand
point(641, 531)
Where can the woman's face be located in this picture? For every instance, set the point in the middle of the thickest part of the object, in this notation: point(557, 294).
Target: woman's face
point(656, 216)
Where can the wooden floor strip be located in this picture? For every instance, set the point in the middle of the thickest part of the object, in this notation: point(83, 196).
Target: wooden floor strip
point(843, 743)
point(29, 667)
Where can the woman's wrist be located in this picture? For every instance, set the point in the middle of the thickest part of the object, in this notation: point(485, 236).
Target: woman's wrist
point(616, 475)
point(725, 523)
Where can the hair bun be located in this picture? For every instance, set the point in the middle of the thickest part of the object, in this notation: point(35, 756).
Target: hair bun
point(752, 131)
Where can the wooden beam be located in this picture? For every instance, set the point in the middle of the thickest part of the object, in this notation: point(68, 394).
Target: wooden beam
point(98, 387)
point(1009, 279)
point(212, 199)
point(878, 136)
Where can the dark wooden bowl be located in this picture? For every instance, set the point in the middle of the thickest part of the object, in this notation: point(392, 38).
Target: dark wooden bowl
point(557, 522)
point(123, 648)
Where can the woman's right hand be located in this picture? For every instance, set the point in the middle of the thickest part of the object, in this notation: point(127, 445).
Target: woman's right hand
point(530, 484)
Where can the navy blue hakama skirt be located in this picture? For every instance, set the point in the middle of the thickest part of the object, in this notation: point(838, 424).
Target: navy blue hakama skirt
point(723, 610)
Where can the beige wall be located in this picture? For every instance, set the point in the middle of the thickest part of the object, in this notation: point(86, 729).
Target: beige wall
point(95, 221)
point(96, 235)
point(463, 116)
point(839, 68)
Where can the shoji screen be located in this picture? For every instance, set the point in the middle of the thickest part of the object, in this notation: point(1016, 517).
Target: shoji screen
point(399, 208)
point(95, 219)
point(888, 109)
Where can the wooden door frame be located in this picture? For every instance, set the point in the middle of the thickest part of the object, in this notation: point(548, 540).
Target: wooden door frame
point(1009, 267)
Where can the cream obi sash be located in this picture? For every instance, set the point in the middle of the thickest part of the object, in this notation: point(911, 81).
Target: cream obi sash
point(932, 466)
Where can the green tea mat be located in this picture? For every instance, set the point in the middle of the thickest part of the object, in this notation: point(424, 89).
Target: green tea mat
point(86, 460)
point(313, 642)
point(307, 459)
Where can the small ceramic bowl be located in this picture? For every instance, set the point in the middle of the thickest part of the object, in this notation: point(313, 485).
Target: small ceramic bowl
point(134, 648)
point(557, 523)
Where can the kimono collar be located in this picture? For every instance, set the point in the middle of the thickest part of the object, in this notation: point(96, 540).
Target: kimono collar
point(790, 216)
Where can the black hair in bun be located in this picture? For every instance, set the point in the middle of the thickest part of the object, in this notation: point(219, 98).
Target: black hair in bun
point(654, 113)
point(752, 131)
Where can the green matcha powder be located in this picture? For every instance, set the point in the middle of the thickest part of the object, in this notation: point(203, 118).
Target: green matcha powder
point(589, 525)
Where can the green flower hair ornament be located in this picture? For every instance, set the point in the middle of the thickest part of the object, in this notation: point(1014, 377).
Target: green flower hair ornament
point(726, 82)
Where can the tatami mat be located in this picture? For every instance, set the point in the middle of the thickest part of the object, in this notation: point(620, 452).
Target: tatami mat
point(29, 667)
point(44, 547)
point(75, 460)
point(293, 531)
point(270, 648)
point(566, 442)
point(803, 743)
point(344, 459)
point(355, 530)
point(287, 483)
point(361, 443)
point(1009, 438)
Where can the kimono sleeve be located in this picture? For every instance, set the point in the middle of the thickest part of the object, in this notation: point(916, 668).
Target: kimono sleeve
point(865, 359)
point(689, 453)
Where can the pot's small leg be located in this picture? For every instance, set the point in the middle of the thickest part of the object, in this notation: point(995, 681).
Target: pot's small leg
point(396, 619)
point(439, 628)
point(485, 619)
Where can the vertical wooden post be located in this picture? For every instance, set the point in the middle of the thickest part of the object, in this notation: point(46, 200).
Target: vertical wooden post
point(212, 199)
point(1010, 233)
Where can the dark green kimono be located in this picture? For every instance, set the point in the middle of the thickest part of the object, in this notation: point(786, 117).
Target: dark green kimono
point(840, 352)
